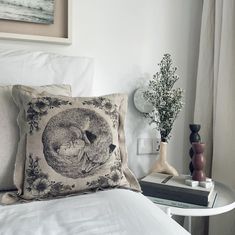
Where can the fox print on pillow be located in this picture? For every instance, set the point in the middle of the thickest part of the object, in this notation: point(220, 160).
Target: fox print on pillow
point(72, 144)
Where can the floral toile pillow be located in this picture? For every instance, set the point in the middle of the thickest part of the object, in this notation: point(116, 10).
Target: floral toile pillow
point(72, 144)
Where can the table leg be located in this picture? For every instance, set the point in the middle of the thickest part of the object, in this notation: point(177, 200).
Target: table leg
point(168, 212)
point(188, 223)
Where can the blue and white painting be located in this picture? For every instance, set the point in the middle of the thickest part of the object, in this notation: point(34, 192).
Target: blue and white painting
point(35, 11)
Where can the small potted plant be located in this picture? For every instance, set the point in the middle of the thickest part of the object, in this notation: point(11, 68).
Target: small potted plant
point(167, 103)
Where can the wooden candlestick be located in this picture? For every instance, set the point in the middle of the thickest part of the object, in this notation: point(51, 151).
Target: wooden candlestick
point(198, 162)
point(194, 137)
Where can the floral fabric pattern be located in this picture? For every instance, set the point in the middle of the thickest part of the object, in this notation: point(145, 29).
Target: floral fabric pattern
point(40, 108)
point(39, 184)
point(109, 180)
point(105, 105)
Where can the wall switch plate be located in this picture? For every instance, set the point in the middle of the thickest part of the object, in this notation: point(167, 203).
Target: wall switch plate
point(148, 146)
point(156, 145)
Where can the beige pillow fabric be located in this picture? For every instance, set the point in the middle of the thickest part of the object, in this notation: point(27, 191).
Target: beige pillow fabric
point(72, 144)
point(9, 134)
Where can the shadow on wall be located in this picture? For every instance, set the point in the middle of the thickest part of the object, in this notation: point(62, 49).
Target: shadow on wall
point(136, 127)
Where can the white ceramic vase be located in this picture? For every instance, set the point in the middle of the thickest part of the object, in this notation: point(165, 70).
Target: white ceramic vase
point(161, 165)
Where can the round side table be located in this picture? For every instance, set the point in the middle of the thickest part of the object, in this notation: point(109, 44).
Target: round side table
point(224, 202)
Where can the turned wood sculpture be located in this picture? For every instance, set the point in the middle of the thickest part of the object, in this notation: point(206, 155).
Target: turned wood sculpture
point(194, 137)
point(198, 162)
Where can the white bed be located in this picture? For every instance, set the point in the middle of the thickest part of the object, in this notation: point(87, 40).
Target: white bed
point(117, 211)
point(114, 211)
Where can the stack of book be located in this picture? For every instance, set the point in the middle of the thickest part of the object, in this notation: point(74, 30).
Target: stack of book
point(172, 190)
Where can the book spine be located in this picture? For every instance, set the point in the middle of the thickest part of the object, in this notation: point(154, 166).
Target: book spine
point(166, 202)
point(171, 193)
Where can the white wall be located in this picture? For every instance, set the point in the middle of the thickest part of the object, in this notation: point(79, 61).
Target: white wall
point(127, 38)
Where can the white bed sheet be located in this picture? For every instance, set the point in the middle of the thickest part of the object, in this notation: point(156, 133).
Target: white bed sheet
point(116, 211)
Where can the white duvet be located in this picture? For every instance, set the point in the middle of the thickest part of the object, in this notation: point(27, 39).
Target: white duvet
point(116, 211)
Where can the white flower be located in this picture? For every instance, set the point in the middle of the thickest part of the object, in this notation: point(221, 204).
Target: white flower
point(41, 105)
point(40, 187)
point(115, 177)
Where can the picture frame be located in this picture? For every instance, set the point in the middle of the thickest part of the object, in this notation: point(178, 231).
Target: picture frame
point(60, 32)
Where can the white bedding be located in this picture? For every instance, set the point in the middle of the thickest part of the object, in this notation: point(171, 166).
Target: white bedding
point(116, 211)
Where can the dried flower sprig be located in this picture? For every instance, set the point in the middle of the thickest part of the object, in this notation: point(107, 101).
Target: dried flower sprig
point(167, 102)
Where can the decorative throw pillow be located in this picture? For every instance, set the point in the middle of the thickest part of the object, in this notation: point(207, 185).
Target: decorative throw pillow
point(9, 134)
point(72, 144)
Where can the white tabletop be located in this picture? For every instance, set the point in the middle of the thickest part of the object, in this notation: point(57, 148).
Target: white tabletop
point(225, 202)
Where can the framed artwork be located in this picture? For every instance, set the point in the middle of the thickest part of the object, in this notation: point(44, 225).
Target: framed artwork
point(34, 20)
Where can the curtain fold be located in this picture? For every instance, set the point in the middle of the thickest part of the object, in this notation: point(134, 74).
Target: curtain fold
point(203, 112)
point(215, 100)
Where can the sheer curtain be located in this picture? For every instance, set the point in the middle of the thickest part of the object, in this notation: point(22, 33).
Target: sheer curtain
point(215, 99)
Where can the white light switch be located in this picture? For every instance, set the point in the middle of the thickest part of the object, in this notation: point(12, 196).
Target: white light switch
point(156, 145)
point(147, 145)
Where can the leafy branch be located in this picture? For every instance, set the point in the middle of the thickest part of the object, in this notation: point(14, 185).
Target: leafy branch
point(167, 102)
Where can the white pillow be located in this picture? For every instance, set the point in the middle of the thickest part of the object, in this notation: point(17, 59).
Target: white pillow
point(34, 69)
point(9, 134)
point(41, 68)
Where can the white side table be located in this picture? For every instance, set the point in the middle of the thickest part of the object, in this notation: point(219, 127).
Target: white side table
point(225, 202)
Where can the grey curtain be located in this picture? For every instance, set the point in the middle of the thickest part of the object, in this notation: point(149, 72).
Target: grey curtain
point(215, 102)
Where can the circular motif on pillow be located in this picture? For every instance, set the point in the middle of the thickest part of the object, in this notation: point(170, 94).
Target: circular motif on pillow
point(77, 142)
